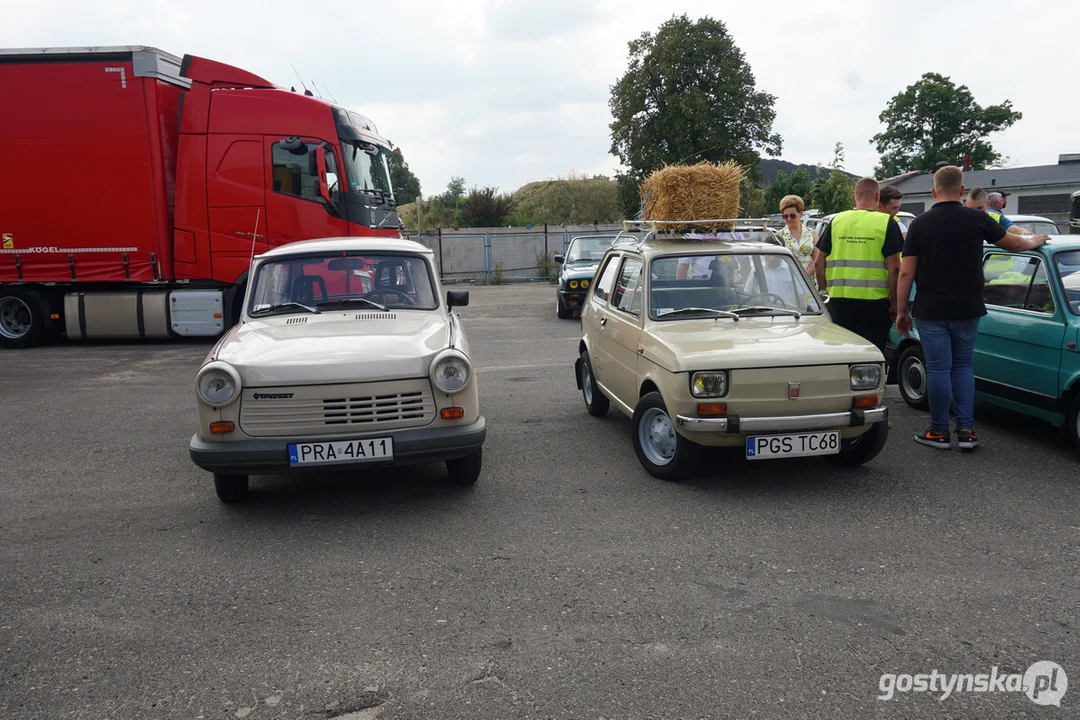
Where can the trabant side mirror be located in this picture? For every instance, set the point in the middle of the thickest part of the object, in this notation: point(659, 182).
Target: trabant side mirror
point(320, 163)
point(560, 259)
point(457, 298)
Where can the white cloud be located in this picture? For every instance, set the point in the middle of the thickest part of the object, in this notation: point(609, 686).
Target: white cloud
point(503, 92)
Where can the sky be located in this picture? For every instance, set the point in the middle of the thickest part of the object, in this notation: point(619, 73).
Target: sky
point(505, 92)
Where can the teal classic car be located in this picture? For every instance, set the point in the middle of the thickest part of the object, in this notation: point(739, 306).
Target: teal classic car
point(578, 267)
point(1027, 352)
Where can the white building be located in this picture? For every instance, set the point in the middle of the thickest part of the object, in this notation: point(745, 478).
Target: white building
point(1044, 190)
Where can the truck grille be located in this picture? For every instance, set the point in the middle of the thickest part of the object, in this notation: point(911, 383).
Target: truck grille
point(336, 409)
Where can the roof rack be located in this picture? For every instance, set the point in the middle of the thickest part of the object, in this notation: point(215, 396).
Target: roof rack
point(655, 229)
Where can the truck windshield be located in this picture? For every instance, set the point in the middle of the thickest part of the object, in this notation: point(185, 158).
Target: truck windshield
point(366, 172)
point(333, 282)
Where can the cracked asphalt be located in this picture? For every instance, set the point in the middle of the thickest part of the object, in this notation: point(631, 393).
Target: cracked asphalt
point(567, 583)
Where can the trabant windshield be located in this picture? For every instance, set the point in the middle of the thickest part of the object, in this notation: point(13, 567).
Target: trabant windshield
point(332, 282)
point(589, 250)
point(1039, 227)
point(748, 283)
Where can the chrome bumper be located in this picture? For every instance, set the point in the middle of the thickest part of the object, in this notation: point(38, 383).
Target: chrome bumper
point(784, 423)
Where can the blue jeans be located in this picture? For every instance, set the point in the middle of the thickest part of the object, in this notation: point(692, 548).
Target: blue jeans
point(948, 346)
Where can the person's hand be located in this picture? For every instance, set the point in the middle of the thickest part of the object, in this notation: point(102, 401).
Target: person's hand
point(1039, 239)
point(903, 324)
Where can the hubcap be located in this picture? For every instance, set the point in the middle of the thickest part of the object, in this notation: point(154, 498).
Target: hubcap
point(586, 383)
point(656, 435)
point(913, 378)
point(15, 318)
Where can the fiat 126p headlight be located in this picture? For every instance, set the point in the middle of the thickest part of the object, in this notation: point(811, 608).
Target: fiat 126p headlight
point(865, 377)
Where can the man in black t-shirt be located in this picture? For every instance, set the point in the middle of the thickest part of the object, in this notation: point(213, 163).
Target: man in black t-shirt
point(943, 256)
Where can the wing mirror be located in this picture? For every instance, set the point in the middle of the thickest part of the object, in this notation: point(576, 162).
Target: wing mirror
point(320, 163)
point(560, 259)
point(457, 298)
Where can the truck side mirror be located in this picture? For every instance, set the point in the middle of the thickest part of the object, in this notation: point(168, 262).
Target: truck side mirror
point(320, 164)
point(560, 259)
point(457, 298)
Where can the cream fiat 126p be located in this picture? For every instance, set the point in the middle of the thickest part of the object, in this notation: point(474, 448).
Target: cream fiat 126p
point(724, 342)
point(346, 356)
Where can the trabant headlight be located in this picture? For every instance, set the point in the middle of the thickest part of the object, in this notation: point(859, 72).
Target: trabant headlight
point(451, 372)
point(584, 284)
point(865, 377)
point(708, 384)
point(218, 384)
point(573, 284)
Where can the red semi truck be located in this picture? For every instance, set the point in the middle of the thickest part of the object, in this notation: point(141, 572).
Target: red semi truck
point(169, 174)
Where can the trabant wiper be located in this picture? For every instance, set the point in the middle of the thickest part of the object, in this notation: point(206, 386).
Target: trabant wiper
point(345, 301)
point(282, 306)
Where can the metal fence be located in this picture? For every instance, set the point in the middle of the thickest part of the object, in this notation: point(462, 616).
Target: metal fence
point(499, 255)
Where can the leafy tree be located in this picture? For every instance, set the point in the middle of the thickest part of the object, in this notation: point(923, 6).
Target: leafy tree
point(933, 121)
point(751, 199)
point(406, 185)
point(688, 95)
point(797, 183)
point(484, 207)
point(833, 194)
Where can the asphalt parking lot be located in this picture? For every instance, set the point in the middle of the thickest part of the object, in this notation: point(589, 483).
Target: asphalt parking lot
point(567, 583)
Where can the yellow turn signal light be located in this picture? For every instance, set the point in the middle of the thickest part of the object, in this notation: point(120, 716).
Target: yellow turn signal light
point(712, 409)
point(452, 413)
point(222, 428)
point(864, 402)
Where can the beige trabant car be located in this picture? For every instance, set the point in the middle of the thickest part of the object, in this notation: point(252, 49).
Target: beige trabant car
point(725, 343)
point(326, 372)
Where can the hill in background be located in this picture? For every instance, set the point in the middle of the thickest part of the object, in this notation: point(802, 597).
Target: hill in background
point(770, 168)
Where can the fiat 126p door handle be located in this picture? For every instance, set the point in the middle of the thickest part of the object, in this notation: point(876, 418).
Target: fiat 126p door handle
point(603, 321)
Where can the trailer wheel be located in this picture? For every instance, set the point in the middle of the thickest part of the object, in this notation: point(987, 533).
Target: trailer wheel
point(22, 319)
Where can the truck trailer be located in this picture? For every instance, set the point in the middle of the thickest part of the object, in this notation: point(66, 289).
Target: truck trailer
point(172, 173)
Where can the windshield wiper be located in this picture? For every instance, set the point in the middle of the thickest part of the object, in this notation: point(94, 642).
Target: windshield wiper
point(282, 306)
point(346, 301)
point(768, 308)
point(680, 311)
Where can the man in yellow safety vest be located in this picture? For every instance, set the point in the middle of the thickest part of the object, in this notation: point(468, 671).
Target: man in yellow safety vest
point(858, 263)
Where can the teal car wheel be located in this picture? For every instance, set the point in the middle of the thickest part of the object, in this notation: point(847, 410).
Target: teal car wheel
point(911, 377)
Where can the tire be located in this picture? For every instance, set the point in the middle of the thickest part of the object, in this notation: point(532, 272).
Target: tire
point(662, 451)
point(911, 377)
point(862, 449)
point(22, 319)
point(231, 488)
point(1074, 421)
point(561, 310)
point(595, 401)
point(466, 470)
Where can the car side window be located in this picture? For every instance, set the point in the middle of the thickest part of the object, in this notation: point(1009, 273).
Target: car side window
point(296, 172)
point(607, 278)
point(1016, 281)
point(627, 295)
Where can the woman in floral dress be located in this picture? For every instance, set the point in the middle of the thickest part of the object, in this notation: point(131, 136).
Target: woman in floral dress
point(799, 238)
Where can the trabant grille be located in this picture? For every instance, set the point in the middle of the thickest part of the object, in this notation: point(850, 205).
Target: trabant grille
point(336, 409)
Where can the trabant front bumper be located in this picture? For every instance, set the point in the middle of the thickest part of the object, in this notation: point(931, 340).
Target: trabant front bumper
point(785, 423)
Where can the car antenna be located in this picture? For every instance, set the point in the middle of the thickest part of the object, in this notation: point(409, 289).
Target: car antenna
point(329, 93)
point(316, 89)
point(254, 236)
point(306, 91)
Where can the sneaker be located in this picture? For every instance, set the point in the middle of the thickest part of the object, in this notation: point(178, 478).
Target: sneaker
point(934, 439)
point(966, 439)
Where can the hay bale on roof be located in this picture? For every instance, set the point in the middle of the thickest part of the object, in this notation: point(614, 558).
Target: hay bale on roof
point(705, 191)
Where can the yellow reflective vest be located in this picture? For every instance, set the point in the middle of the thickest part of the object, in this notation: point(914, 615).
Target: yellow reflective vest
point(855, 268)
point(994, 214)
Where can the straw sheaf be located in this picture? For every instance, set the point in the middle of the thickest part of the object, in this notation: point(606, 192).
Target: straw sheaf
point(705, 191)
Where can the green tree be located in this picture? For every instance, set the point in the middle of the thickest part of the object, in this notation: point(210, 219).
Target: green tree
point(406, 185)
point(484, 207)
point(688, 95)
point(797, 183)
point(833, 194)
point(933, 121)
point(751, 199)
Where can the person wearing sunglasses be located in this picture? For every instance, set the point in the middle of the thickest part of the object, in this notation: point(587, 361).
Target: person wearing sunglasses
point(798, 238)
